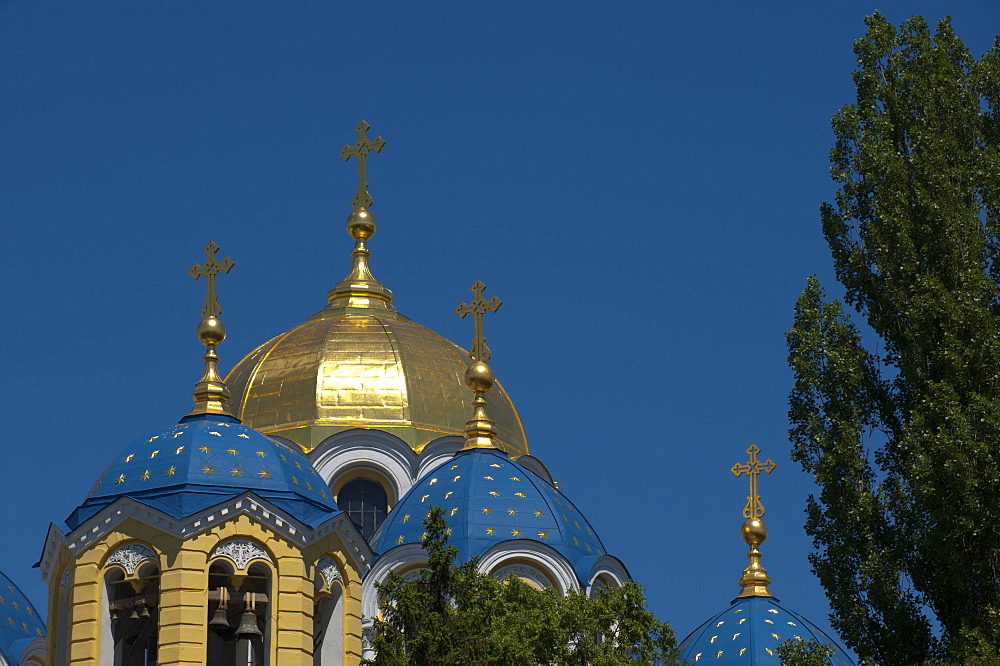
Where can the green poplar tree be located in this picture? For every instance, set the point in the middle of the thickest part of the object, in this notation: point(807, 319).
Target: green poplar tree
point(899, 421)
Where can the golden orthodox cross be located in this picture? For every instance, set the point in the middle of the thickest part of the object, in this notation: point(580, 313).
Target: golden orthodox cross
point(361, 150)
point(209, 270)
point(753, 467)
point(477, 308)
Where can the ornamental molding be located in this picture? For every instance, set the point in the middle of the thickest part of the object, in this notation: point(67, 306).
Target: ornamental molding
point(524, 572)
point(130, 556)
point(240, 552)
point(328, 568)
point(92, 531)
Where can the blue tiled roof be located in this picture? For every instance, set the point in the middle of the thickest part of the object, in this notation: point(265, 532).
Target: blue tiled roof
point(204, 460)
point(488, 498)
point(748, 632)
point(19, 623)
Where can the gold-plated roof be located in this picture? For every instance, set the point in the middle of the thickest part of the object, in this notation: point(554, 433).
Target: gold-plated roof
point(360, 364)
point(348, 368)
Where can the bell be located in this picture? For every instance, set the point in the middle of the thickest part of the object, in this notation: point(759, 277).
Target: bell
point(145, 611)
point(134, 615)
point(248, 625)
point(219, 621)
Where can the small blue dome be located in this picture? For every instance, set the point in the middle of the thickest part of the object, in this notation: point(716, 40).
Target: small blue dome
point(19, 623)
point(748, 633)
point(488, 498)
point(204, 460)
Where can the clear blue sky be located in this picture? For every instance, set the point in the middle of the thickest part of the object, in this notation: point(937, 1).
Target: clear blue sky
point(638, 181)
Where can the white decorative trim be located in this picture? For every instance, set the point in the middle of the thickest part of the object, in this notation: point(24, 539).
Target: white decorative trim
point(328, 568)
point(544, 558)
point(607, 571)
point(240, 552)
point(375, 450)
point(524, 572)
point(400, 557)
point(437, 453)
point(260, 511)
point(130, 556)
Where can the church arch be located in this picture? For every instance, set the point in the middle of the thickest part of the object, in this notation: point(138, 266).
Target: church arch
point(129, 632)
point(239, 630)
point(328, 630)
point(546, 560)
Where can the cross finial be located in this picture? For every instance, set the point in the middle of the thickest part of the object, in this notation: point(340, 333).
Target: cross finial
point(209, 270)
point(477, 308)
point(361, 150)
point(753, 467)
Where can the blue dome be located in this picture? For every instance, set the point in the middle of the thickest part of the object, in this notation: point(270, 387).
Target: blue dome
point(19, 623)
point(204, 460)
point(488, 498)
point(748, 633)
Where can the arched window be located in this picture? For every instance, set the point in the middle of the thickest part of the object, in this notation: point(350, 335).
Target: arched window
point(365, 502)
point(238, 613)
point(130, 635)
point(328, 628)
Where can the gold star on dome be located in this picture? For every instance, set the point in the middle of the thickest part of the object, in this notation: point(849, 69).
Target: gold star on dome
point(145, 475)
point(208, 470)
point(216, 434)
point(736, 635)
point(177, 434)
point(494, 493)
point(486, 509)
point(295, 481)
point(264, 474)
point(432, 482)
point(236, 471)
point(516, 532)
point(262, 454)
point(453, 467)
point(282, 456)
point(120, 479)
point(543, 535)
point(155, 453)
point(297, 464)
point(521, 495)
point(322, 492)
point(204, 449)
point(424, 497)
point(456, 478)
point(406, 517)
point(742, 650)
point(243, 435)
point(178, 450)
point(538, 514)
point(514, 478)
point(453, 511)
point(718, 654)
point(449, 494)
point(309, 487)
point(129, 457)
point(490, 531)
point(488, 478)
point(152, 438)
point(171, 471)
point(234, 451)
point(400, 539)
point(494, 465)
point(511, 512)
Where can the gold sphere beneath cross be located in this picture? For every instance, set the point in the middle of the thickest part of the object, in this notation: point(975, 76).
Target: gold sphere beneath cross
point(361, 224)
point(479, 377)
point(754, 531)
point(211, 331)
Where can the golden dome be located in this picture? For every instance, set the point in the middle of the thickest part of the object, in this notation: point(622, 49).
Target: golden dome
point(363, 368)
point(360, 364)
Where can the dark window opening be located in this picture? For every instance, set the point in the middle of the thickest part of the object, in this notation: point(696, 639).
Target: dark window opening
point(365, 502)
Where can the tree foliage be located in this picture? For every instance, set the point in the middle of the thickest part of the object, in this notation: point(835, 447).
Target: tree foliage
point(454, 615)
point(804, 653)
point(903, 435)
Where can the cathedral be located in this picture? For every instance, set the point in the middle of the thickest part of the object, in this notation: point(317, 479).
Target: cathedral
point(254, 529)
